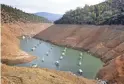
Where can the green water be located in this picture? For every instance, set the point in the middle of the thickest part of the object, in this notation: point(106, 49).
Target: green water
point(90, 65)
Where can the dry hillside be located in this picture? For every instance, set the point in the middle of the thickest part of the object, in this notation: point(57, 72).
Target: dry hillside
point(24, 75)
point(104, 42)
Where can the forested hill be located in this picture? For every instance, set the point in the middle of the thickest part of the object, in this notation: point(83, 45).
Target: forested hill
point(108, 12)
point(10, 14)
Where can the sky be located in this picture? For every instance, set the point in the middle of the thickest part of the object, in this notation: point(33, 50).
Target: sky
point(51, 6)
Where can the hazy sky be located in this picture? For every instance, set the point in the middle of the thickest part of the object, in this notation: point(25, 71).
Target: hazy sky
point(52, 6)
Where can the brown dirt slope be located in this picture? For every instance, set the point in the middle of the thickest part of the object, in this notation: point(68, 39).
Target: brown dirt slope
point(25, 75)
point(113, 71)
point(105, 42)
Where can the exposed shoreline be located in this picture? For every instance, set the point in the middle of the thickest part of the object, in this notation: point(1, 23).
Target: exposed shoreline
point(18, 60)
point(104, 42)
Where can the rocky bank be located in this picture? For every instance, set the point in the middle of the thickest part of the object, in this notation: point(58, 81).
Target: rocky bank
point(105, 42)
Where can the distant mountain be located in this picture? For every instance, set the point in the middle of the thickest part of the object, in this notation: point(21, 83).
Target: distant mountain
point(50, 16)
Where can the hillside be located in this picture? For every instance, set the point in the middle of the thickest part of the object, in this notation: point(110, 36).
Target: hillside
point(50, 16)
point(26, 75)
point(10, 14)
point(108, 12)
point(105, 42)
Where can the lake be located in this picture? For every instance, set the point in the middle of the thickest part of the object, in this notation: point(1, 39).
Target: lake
point(48, 54)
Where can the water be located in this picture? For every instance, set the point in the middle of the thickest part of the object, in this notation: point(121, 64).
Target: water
point(90, 65)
